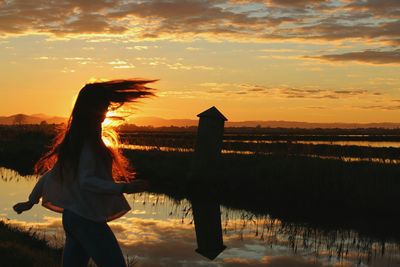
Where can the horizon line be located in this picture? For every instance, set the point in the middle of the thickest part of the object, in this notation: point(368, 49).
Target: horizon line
point(196, 119)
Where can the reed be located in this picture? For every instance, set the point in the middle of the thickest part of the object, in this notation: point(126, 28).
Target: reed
point(21, 248)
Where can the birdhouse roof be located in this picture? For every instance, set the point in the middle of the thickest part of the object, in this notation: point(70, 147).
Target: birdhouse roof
point(212, 112)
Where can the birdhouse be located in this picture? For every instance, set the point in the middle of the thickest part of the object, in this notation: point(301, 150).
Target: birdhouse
point(210, 135)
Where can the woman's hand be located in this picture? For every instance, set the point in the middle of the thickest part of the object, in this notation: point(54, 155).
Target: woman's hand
point(22, 206)
point(135, 186)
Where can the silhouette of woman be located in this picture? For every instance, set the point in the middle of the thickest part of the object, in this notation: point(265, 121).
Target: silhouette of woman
point(85, 180)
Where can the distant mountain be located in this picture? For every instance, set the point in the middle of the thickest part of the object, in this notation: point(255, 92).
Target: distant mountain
point(160, 122)
point(30, 119)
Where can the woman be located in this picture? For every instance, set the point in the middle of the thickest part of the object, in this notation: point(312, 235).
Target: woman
point(85, 180)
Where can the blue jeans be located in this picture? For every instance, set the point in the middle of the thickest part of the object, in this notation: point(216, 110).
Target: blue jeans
point(88, 239)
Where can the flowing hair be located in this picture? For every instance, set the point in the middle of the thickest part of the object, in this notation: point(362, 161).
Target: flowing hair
point(84, 125)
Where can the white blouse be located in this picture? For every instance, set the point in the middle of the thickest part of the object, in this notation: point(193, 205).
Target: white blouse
point(93, 194)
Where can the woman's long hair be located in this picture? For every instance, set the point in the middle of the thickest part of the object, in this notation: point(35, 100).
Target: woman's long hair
point(84, 125)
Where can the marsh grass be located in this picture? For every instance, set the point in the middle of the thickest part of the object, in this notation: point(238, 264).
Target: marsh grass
point(23, 248)
point(28, 247)
point(21, 146)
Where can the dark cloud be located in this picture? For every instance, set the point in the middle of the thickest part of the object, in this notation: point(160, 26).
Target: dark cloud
point(227, 19)
point(284, 3)
point(57, 17)
point(385, 8)
point(369, 56)
point(89, 23)
point(292, 92)
point(287, 92)
point(334, 29)
point(317, 107)
point(381, 107)
point(297, 3)
point(196, 17)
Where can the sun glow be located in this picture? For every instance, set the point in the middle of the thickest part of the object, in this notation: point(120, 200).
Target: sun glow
point(112, 121)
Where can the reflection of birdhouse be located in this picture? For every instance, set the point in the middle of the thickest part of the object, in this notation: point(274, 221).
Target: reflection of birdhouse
point(207, 222)
point(210, 134)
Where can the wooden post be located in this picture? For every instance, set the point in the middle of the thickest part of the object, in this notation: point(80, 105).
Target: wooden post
point(204, 198)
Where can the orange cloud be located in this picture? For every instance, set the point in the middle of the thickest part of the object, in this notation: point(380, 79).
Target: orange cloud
point(229, 89)
point(369, 56)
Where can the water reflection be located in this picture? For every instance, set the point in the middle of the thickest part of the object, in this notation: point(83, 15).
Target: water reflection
point(394, 144)
point(207, 221)
point(159, 231)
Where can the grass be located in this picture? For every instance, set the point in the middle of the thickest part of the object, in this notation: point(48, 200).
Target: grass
point(21, 146)
point(21, 248)
point(278, 144)
point(25, 248)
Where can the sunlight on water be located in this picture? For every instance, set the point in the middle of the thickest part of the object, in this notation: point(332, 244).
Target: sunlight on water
point(393, 144)
point(159, 231)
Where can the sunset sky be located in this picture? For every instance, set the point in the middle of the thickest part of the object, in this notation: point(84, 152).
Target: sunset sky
point(301, 60)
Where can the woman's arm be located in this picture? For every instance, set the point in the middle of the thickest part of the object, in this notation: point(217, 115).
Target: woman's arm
point(88, 177)
point(34, 196)
point(37, 191)
point(89, 180)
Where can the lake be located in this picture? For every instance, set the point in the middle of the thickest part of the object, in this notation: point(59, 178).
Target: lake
point(159, 231)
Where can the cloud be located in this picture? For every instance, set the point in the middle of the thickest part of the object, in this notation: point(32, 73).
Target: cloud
point(369, 56)
point(278, 261)
point(193, 48)
point(78, 58)
point(285, 3)
point(138, 47)
point(389, 107)
point(45, 58)
point(271, 20)
point(337, 29)
point(162, 61)
point(117, 62)
point(387, 8)
point(253, 90)
point(179, 18)
point(57, 17)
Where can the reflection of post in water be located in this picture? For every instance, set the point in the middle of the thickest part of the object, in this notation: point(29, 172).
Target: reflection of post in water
point(203, 195)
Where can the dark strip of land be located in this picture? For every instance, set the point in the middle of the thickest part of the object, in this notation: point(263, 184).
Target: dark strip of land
point(22, 248)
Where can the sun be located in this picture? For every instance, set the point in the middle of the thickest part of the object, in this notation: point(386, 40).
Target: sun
point(111, 122)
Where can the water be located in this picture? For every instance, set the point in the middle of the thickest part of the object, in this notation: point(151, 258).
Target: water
point(387, 144)
point(187, 141)
point(250, 152)
point(159, 231)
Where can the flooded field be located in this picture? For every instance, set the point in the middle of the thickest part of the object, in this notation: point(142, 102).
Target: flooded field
point(289, 199)
point(159, 231)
